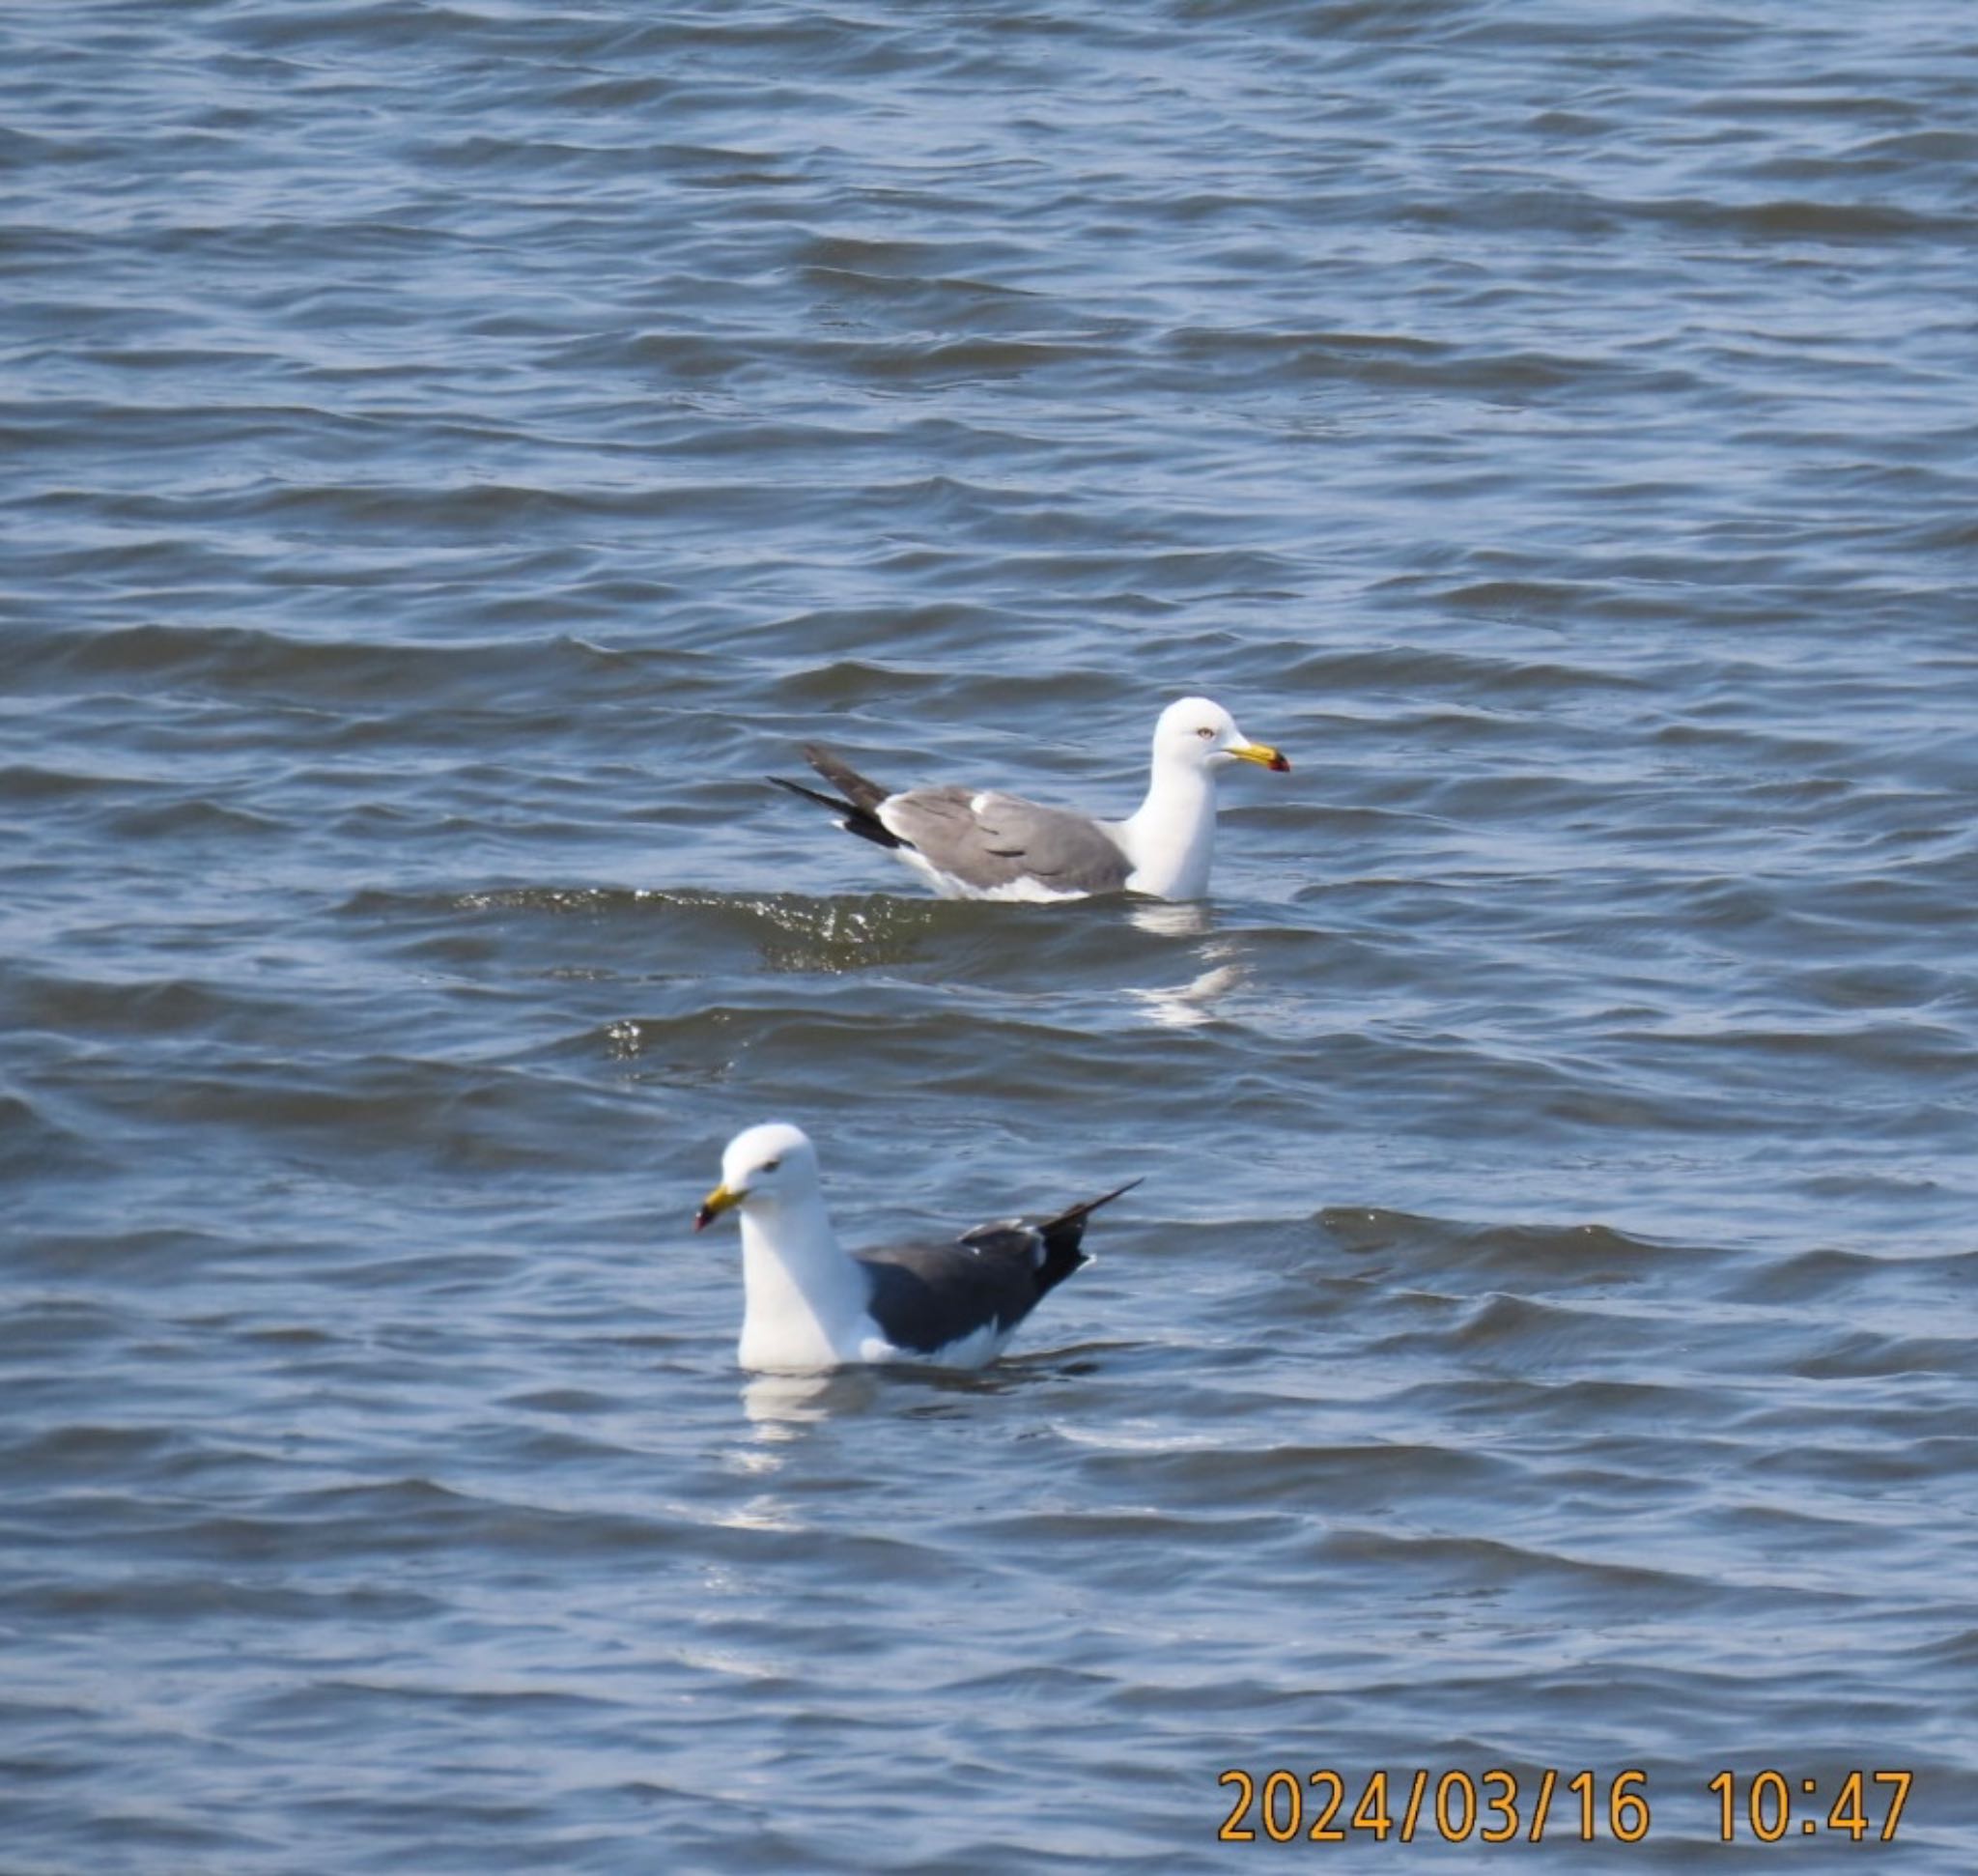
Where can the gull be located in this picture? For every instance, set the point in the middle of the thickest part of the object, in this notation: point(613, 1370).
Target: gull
point(810, 1304)
point(979, 845)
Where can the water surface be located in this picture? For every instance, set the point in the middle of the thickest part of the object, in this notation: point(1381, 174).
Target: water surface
point(452, 452)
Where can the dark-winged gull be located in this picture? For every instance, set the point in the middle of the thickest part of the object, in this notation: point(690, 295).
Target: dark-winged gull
point(809, 1303)
point(969, 843)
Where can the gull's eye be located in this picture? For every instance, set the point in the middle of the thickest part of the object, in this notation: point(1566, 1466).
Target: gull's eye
point(1204, 730)
point(770, 1165)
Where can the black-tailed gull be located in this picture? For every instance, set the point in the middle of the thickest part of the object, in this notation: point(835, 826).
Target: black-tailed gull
point(809, 1303)
point(968, 843)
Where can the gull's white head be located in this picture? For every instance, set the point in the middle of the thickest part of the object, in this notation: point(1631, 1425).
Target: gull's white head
point(763, 1167)
point(1196, 734)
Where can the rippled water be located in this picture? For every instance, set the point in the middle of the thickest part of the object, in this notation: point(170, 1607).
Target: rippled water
point(451, 452)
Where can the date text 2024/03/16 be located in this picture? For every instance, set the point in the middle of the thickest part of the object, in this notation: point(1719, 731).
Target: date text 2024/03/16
point(1496, 1807)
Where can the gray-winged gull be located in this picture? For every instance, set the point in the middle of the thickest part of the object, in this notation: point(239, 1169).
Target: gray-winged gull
point(968, 843)
point(809, 1303)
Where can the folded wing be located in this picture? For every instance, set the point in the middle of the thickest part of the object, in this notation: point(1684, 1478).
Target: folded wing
point(926, 1297)
point(988, 840)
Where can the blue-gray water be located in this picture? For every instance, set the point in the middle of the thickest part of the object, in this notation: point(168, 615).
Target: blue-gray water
point(449, 453)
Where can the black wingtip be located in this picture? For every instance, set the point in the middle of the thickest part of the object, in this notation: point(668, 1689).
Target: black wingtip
point(853, 818)
point(861, 791)
point(808, 794)
point(1075, 1214)
point(1063, 1236)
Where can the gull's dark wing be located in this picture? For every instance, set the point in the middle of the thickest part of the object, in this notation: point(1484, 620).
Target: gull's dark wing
point(927, 1297)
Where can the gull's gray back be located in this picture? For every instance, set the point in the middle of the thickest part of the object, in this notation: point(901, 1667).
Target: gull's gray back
point(987, 840)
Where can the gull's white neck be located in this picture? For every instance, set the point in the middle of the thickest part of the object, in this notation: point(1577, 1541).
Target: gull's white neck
point(804, 1297)
point(1171, 838)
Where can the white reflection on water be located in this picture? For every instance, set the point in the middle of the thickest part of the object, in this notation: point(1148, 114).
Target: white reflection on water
point(1173, 918)
point(1185, 1005)
point(778, 1406)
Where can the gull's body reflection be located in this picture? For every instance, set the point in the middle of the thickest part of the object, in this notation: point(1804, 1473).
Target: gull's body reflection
point(1184, 1005)
point(778, 1408)
point(777, 1404)
point(1183, 919)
